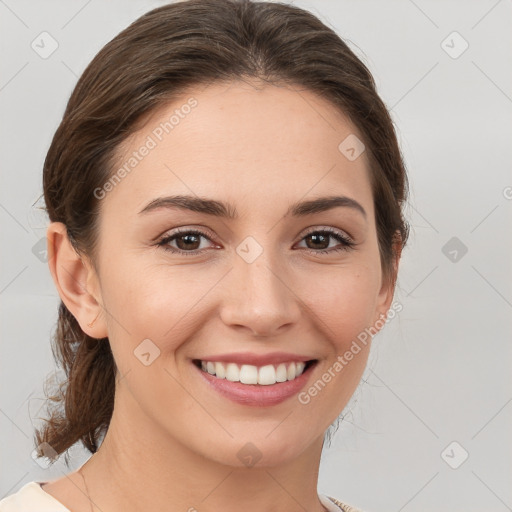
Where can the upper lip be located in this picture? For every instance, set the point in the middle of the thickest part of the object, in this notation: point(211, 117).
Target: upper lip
point(256, 359)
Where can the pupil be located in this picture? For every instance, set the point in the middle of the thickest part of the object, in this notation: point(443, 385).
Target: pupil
point(190, 239)
point(315, 239)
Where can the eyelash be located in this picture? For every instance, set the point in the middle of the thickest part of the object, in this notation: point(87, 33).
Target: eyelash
point(346, 242)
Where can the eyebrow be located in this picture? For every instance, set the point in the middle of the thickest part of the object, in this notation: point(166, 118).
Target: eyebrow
point(228, 211)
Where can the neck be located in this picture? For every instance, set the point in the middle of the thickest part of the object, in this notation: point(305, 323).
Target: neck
point(143, 468)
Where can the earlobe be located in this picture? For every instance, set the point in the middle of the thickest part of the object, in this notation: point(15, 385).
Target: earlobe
point(71, 273)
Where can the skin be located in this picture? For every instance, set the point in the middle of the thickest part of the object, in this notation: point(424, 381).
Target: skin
point(173, 442)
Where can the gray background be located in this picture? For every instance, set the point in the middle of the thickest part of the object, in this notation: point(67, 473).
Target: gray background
point(440, 371)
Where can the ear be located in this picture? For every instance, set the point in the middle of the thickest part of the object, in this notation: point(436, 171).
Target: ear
point(387, 291)
point(76, 281)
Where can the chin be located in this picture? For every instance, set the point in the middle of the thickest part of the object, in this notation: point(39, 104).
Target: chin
point(261, 450)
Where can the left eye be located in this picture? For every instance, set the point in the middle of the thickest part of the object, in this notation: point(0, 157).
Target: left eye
point(323, 236)
point(188, 242)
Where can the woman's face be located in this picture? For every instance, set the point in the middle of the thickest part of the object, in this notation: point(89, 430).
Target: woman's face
point(263, 284)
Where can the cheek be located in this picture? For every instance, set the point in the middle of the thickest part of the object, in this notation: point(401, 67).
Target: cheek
point(343, 300)
point(157, 302)
point(165, 303)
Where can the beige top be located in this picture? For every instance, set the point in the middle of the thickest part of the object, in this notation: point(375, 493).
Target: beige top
point(32, 498)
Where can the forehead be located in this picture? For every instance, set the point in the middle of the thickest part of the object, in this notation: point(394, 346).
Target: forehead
point(237, 140)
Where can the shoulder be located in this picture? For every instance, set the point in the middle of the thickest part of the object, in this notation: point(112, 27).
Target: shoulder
point(334, 505)
point(31, 497)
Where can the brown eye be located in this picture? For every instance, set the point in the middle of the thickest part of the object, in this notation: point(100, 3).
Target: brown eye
point(319, 241)
point(188, 242)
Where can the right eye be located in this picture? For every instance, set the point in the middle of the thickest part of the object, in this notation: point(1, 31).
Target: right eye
point(188, 239)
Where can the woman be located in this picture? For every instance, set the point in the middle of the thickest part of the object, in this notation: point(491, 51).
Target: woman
point(225, 193)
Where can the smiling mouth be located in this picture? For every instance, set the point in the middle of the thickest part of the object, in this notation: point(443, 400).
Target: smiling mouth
point(255, 375)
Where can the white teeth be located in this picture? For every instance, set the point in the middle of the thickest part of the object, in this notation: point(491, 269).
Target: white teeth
point(220, 371)
point(267, 375)
point(232, 372)
point(249, 374)
point(281, 373)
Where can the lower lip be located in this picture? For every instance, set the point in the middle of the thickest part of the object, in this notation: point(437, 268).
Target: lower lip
point(255, 394)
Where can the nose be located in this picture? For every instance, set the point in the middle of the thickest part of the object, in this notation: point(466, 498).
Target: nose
point(259, 297)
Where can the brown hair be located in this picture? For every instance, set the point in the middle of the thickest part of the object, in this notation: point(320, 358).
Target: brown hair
point(156, 58)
